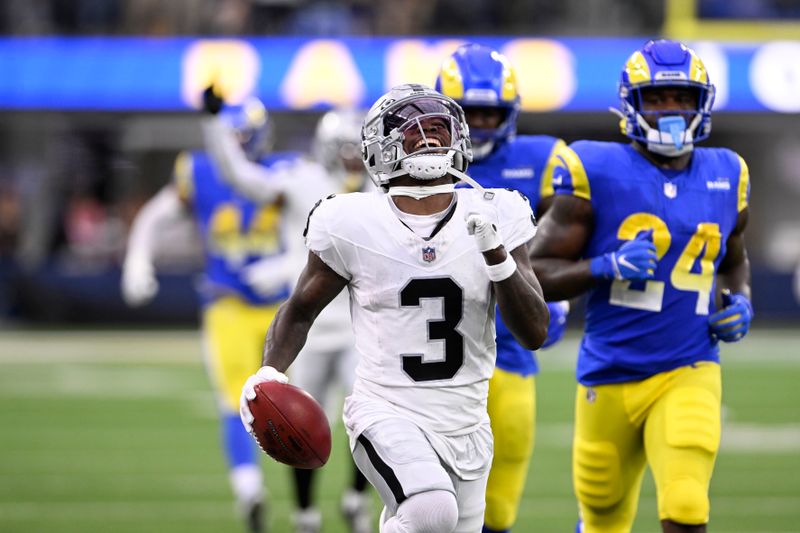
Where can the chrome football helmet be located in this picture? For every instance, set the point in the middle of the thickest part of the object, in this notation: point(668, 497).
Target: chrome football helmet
point(668, 64)
point(480, 76)
point(404, 111)
point(337, 146)
point(252, 125)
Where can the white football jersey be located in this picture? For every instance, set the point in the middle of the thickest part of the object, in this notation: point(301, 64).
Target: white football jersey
point(423, 309)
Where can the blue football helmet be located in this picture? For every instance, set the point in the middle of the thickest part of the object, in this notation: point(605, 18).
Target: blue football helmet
point(251, 123)
point(665, 63)
point(479, 76)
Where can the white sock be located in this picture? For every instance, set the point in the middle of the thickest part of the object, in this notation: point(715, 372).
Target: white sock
point(247, 482)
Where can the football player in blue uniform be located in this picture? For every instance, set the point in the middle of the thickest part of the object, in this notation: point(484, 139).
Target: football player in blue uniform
point(654, 232)
point(239, 238)
point(483, 82)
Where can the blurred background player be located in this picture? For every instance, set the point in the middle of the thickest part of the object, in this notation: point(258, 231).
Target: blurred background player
point(239, 237)
point(328, 359)
point(654, 231)
point(483, 82)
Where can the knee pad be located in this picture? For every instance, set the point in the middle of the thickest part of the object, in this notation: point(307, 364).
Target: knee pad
point(684, 501)
point(596, 473)
point(693, 419)
point(427, 512)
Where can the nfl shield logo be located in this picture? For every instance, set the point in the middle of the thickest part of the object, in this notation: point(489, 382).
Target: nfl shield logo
point(428, 254)
point(670, 190)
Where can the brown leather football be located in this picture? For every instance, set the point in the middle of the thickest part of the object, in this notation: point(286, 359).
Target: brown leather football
point(290, 425)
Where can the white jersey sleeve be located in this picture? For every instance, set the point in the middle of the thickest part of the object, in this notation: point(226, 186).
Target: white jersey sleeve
point(321, 241)
point(515, 218)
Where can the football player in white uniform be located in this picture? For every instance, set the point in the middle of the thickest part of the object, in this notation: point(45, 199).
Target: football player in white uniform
point(328, 359)
point(424, 264)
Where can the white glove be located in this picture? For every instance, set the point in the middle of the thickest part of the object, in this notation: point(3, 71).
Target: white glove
point(265, 373)
point(139, 283)
point(267, 276)
point(484, 230)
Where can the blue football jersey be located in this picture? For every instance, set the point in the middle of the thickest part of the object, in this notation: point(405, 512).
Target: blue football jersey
point(637, 329)
point(524, 163)
point(235, 231)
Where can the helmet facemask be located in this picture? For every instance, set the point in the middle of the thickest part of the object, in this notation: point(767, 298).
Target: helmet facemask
point(665, 65)
point(668, 132)
point(484, 139)
point(421, 134)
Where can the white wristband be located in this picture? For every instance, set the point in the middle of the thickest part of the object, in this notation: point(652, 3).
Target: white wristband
point(503, 270)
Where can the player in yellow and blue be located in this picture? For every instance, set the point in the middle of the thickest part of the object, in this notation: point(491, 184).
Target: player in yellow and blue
point(483, 82)
point(654, 232)
point(240, 238)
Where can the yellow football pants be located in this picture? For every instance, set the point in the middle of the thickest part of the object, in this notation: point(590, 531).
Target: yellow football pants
point(233, 336)
point(512, 411)
point(671, 422)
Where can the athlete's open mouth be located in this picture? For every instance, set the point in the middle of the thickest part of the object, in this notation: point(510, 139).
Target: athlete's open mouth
point(432, 142)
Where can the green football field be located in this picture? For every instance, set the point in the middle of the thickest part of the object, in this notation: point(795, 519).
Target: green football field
point(116, 432)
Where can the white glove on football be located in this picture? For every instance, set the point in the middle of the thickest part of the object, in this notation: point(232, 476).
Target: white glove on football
point(269, 275)
point(265, 373)
point(139, 283)
point(484, 230)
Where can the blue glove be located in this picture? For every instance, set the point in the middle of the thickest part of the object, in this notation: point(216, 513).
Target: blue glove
point(732, 322)
point(635, 260)
point(558, 322)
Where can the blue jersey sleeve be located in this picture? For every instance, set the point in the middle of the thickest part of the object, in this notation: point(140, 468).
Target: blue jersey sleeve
point(743, 187)
point(569, 174)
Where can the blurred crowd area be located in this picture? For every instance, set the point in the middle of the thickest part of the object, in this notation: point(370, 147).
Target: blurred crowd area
point(321, 17)
point(363, 17)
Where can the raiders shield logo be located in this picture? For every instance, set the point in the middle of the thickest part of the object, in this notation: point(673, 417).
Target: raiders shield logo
point(428, 254)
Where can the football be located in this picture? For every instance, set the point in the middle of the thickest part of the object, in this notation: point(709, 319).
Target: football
point(290, 426)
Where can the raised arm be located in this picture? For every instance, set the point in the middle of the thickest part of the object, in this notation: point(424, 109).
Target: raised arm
point(253, 180)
